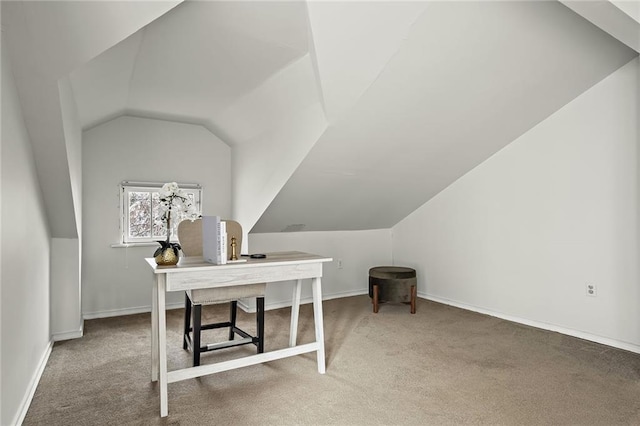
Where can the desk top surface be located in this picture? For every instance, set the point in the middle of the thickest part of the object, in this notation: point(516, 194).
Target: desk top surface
point(194, 263)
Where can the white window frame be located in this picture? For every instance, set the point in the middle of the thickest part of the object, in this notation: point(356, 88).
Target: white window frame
point(126, 187)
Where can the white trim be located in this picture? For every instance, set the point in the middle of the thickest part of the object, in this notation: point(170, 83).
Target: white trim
point(245, 307)
point(129, 245)
point(345, 294)
point(149, 187)
point(33, 385)
point(287, 303)
point(627, 346)
point(159, 184)
point(67, 335)
point(126, 311)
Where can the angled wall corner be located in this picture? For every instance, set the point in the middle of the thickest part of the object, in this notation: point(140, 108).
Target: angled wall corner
point(352, 43)
point(620, 19)
point(101, 87)
point(73, 143)
point(66, 253)
point(270, 148)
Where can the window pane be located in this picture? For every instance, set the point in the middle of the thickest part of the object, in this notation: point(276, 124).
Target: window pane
point(143, 222)
point(139, 214)
point(159, 226)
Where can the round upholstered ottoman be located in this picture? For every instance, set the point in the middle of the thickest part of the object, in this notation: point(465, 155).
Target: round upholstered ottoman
point(392, 284)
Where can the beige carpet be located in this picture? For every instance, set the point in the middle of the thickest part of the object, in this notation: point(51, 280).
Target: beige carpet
point(442, 365)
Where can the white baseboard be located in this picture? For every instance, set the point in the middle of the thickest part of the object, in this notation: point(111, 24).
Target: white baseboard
point(33, 384)
point(68, 335)
point(286, 303)
point(127, 311)
point(303, 301)
point(245, 307)
point(309, 299)
point(627, 346)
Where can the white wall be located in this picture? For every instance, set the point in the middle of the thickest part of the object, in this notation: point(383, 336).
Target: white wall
point(66, 289)
point(358, 250)
point(66, 309)
point(523, 233)
point(24, 292)
point(117, 281)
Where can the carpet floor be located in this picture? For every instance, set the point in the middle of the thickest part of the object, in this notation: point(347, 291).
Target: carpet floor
point(441, 366)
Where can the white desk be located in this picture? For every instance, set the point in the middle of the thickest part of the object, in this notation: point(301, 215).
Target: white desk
point(194, 273)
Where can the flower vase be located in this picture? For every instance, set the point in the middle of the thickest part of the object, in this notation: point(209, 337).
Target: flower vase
point(167, 257)
point(172, 198)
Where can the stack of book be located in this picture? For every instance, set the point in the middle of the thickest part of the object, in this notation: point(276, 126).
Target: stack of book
point(214, 240)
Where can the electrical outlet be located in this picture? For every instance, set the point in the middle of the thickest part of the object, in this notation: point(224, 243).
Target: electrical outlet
point(592, 290)
point(339, 263)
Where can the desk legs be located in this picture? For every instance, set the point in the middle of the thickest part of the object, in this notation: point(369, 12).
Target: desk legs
point(159, 336)
point(162, 343)
point(154, 332)
point(295, 312)
point(318, 320)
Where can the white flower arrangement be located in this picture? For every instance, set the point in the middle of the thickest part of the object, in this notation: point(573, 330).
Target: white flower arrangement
point(174, 200)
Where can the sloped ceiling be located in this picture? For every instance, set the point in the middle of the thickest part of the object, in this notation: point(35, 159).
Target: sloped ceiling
point(46, 40)
point(620, 18)
point(462, 80)
point(340, 115)
point(193, 64)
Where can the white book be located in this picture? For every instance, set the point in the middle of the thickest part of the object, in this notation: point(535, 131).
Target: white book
point(223, 243)
point(211, 239)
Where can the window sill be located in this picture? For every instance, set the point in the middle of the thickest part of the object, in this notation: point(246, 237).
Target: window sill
point(129, 245)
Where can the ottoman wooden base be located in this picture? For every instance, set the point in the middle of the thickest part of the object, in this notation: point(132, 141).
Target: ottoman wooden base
point(392, 283)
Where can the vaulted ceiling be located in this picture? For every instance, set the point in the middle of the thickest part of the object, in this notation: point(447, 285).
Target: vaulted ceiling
point(340, 115)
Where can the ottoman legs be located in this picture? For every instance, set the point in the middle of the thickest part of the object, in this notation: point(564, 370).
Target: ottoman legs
point(413, 299)
point(375, 298)
point(376, 301)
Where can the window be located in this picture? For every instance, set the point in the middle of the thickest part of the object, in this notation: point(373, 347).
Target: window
point(139, 215)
